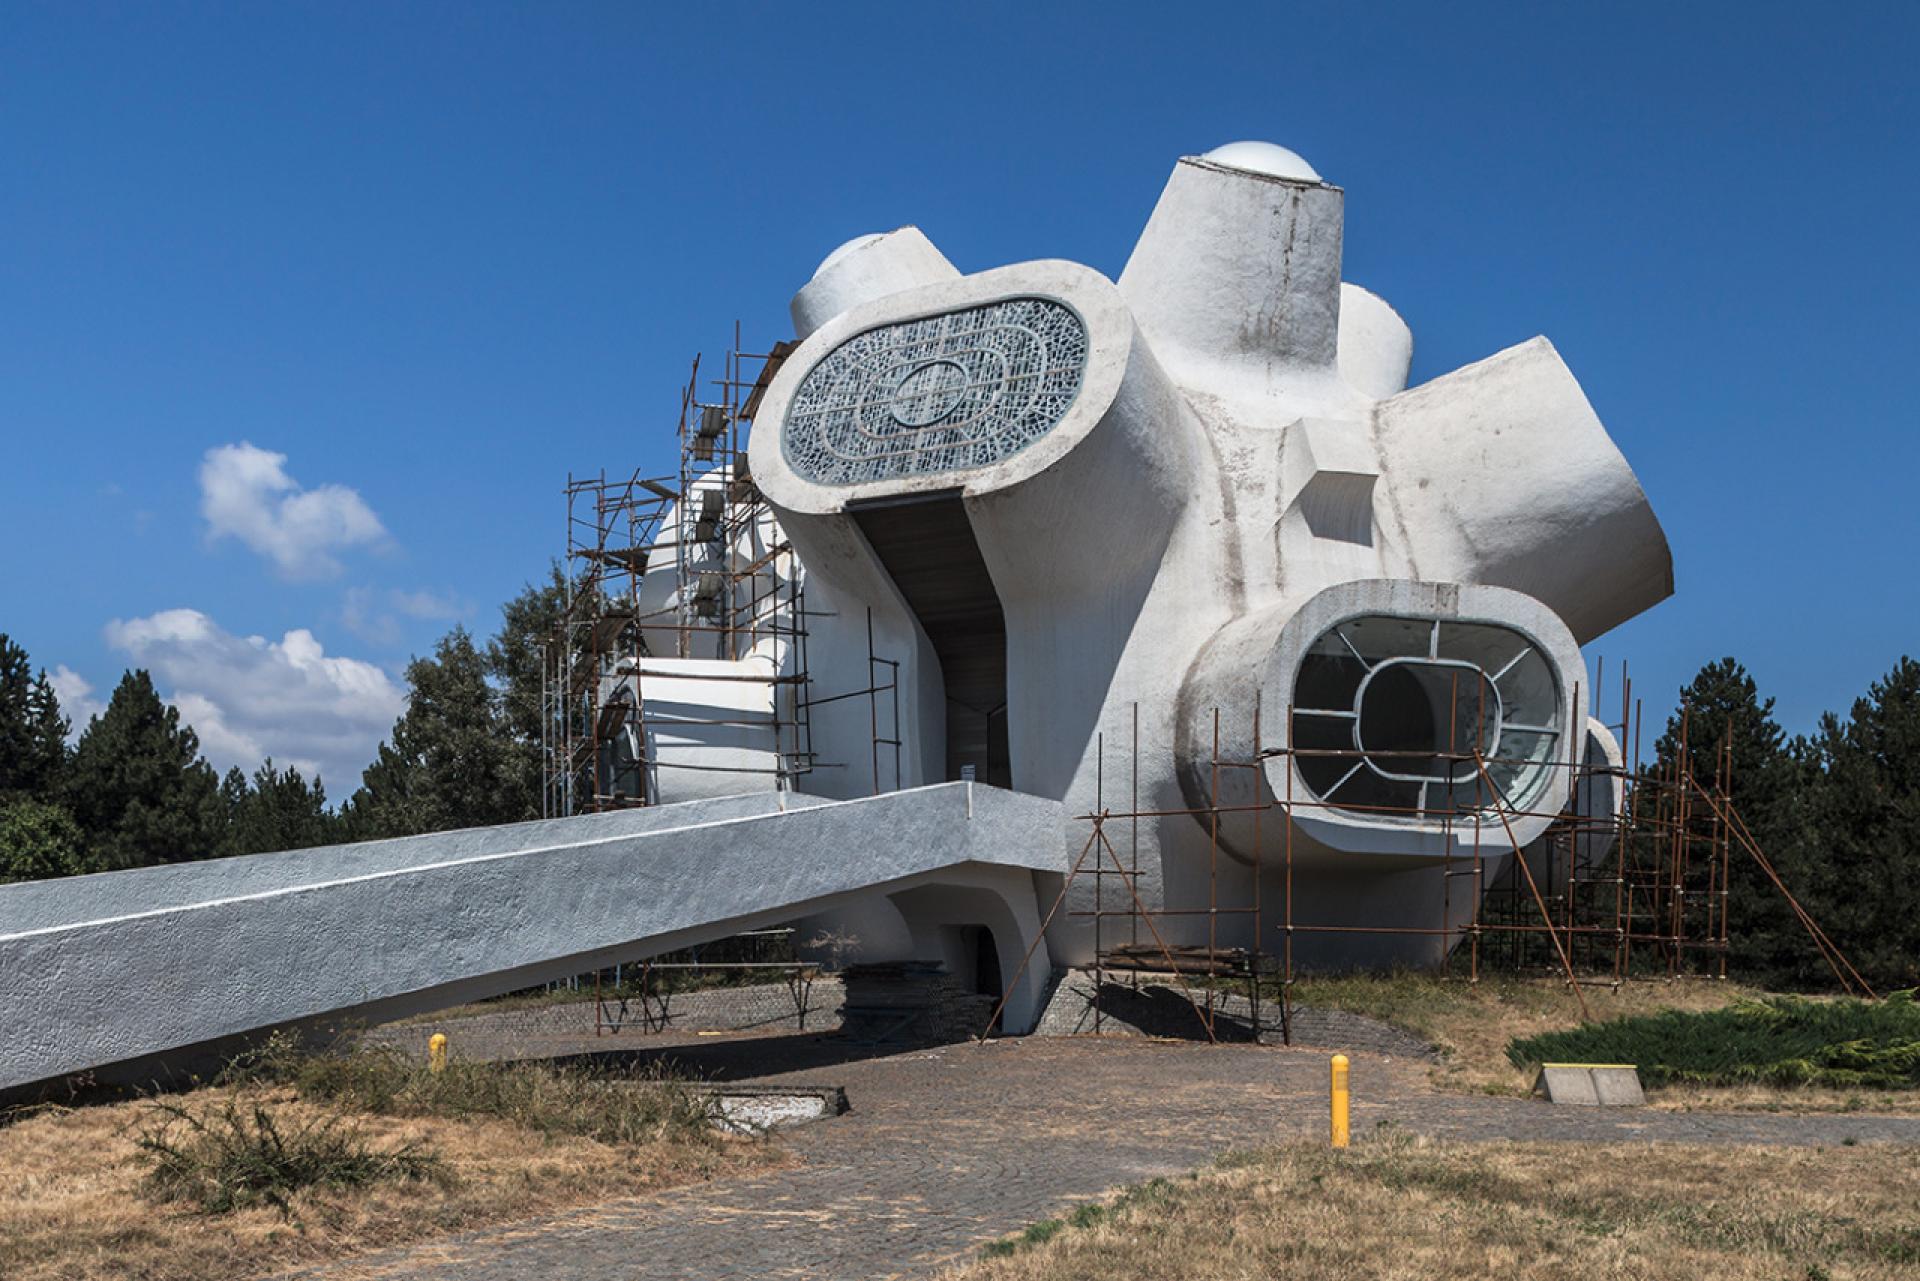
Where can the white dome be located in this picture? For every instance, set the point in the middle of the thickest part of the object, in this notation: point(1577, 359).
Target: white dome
point(858, 242)
point(1265, 158)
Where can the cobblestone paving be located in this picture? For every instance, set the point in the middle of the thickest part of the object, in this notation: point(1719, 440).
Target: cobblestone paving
point(950, 1147)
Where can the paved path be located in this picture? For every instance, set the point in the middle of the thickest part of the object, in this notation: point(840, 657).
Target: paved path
point(948, 1148)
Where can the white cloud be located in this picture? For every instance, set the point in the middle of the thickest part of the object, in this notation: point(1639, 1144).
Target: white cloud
point(377, 617)
point(245, 493)
point(434, 606)
point(248, 697)
point(77, 702)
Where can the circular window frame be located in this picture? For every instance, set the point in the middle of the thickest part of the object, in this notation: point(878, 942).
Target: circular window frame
point(1534, 774)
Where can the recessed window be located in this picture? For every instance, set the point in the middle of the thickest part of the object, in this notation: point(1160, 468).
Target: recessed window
point(1393, 716)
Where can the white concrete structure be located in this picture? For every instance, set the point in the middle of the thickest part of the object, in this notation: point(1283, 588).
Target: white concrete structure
point(1205, 485)
point(1065, 506)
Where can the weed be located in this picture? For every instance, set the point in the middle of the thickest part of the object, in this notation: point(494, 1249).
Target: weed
point(613, 1107)
point(233, 1157)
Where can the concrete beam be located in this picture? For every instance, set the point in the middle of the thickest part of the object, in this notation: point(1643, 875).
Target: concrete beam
point(116, 969)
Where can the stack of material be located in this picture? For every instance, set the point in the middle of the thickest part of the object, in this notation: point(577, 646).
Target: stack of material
point(910, 1002)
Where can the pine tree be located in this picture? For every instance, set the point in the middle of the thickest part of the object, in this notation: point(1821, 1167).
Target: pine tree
point(138, 786)
point(278, 810)
point(33, 733)
point(1721, 707)
point(1863, 829)
point(450, 761)
point(47, 730)
point(515, 659)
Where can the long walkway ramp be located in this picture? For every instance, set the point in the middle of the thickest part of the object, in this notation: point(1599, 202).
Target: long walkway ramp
point(132, 973)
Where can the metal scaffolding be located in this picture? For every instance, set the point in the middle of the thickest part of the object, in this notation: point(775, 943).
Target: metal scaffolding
point(1639, 891)
point(735, 591)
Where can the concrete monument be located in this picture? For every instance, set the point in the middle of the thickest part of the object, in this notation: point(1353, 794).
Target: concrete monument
point(1076, 513)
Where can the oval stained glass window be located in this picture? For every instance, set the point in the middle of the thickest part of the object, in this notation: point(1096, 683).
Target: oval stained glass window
point(944, 393)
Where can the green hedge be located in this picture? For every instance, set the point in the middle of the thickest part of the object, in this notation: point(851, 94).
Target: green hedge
point(1781, 1040)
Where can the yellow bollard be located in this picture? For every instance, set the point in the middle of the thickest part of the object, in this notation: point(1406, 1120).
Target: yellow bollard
point(437, 1052)
point(1339, 1096)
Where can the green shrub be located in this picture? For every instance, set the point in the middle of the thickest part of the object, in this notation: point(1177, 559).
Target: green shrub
point(1777, 1041)
point(235, 1157)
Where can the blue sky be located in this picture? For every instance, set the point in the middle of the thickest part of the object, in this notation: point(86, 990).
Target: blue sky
point(422, 260)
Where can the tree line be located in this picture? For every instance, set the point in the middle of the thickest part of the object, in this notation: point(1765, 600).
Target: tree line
point(134, 790)
point(1837, 811)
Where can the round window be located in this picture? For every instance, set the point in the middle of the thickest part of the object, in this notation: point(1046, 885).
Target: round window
point(1396, 716)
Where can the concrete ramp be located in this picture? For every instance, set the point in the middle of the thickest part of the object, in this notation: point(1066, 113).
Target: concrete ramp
point(132, 974)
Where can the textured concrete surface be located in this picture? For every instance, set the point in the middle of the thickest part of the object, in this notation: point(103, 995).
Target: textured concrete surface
point(1240, 443)
point(945, 1149)
point(389, 929)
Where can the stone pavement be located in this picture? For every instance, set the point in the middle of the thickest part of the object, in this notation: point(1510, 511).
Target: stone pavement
point(948, 1148)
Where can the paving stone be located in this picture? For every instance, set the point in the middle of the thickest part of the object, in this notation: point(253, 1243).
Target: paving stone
point(949, 1147)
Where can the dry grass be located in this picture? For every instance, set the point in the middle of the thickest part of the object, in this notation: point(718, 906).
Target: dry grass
point(71, 1203)
point(1414, 1210)
point(1774, 1098)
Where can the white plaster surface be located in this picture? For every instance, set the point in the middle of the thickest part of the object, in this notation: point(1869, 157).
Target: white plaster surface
point(94, 972)
point(1244, 444)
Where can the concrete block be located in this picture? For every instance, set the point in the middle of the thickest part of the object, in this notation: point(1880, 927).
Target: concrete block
point(1590, 1084)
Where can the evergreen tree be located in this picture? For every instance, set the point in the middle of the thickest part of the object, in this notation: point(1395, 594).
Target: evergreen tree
point(37, 841)
point(515, 659)
point(48, 728)
point(450, 761)
point(233, 796)
point(137, 784)
point(1863, 829)
point(280, 810)
point(1768, 785)
point(33, 733)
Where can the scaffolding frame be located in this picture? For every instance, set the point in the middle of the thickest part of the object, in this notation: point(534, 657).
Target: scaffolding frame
point(738, 588)
point(1653, 903)
point(735, 599)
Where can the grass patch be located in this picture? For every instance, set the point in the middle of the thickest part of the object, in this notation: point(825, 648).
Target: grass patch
point(1472, 1024)
point(308, 1160)
point(1780, 1040)
point(1410, 1208)
point(612, 1106)
point(232, 1157)
point(1083, 1217)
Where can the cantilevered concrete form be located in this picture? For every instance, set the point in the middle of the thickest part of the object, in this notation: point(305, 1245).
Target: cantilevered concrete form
point(1085, 512)
point(1068, 536)
point(131, 972)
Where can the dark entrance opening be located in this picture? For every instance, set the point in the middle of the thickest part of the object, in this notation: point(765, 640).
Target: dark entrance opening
point(986, 964)
point(926, 543)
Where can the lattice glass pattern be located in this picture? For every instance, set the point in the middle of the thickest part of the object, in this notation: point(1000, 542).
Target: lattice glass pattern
point(949, 392)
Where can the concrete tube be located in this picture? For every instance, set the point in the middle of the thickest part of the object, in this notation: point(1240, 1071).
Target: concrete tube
point(866, 268)
point(1238, 273)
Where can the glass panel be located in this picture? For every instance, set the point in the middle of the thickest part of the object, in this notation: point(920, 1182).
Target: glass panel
point(943, 393)
point(1416, 699)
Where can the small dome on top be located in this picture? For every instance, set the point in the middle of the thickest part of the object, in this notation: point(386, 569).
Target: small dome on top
point(1263, 158)
point(858, 242)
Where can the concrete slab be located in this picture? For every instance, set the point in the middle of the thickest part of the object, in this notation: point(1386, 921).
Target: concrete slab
point(1590, 1084)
